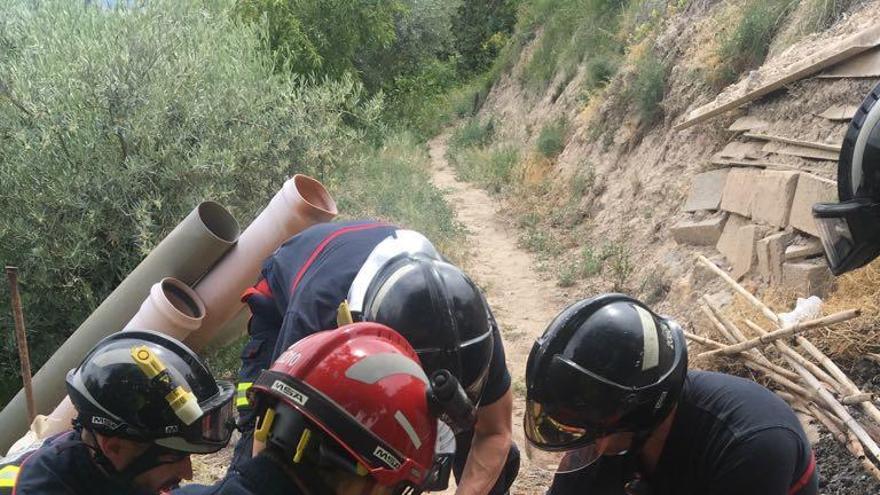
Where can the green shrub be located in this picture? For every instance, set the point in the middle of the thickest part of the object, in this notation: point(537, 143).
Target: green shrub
point(572, 31)
point(745, 46)
point(582, 181)
point(323, 39)
point(114, 124)
point(393, 183)
point(648, 86)
point(472, 133)
point(540, 241)
point(621, 264)
point(822, 14)
point(591, 263)
point(600, 70)
point(567, 275)
point(551, 140)
point(481, 28)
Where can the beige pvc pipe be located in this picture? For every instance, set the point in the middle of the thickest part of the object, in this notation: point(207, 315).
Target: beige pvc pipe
point(171, 308)
point(187, 253)
point(301, 203)
point(232, 329)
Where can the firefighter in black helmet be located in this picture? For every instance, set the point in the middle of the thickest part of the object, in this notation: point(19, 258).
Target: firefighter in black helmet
point(850, 229)
point(612, 409)
point(333, 273)
point(145, 403)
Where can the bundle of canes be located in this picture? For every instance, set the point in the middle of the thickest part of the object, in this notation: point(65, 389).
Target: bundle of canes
point(820, 388)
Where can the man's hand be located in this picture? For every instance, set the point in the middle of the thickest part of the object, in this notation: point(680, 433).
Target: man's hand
point(489, 448)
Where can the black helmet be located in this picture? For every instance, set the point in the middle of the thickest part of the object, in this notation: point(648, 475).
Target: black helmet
point(148, 387)
point(405, 285)
point(604, 365)
point(850, 229)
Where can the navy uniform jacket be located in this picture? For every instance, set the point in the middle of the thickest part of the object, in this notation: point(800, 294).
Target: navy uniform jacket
point(62, 465)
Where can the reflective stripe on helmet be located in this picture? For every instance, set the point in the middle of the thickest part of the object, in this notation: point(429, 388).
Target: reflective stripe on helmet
point(373, 368)
point(402, 242)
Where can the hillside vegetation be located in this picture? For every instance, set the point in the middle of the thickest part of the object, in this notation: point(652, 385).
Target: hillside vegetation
point(116, 122)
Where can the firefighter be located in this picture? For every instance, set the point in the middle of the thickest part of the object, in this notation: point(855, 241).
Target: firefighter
point(850, 229)
point(145, 403)
point(333, 273)
point(345, 412)
point(612, 408)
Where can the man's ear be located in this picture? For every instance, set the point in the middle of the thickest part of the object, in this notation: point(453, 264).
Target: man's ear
point(119, 451)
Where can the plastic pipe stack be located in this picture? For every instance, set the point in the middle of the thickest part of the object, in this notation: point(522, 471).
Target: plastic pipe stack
point(202, 243)
point(187, 253)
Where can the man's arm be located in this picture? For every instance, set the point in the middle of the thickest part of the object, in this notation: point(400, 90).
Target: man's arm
point(491, 442)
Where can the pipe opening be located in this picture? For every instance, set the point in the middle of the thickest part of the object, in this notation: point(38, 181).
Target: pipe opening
point(314, 193)
point(219, 221)
point(182, 300)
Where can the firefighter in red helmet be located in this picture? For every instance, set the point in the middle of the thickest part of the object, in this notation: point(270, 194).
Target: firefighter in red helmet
point(345, 411)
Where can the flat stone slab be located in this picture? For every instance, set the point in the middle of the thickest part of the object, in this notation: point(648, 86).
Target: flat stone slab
point(699, 233)
point(773, 195)
point(739, 189)
point(727, 242)
point(809, 278)
point(799, 251)
point(771, 256)
point(810, 189)
point(745, 255)
point(706, 190)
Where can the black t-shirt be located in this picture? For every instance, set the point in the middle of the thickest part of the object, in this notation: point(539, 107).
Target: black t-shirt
point(730, 436)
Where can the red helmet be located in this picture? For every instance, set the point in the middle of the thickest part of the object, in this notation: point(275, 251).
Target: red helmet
point(363, 386)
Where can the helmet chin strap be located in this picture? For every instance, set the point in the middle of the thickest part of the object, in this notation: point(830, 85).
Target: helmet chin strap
point(634, 481)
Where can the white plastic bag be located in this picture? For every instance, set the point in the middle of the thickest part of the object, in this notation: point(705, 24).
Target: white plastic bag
point(805, 310)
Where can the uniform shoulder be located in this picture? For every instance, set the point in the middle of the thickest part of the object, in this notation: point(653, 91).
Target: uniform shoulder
point(741, 404)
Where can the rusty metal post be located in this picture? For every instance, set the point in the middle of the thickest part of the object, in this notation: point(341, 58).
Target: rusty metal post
point(21, 339)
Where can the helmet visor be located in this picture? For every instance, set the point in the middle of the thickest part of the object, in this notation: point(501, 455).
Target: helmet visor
point(836, 238)
point(547, 432)
point(848, 232)
point(212, 431)
point(561, 462)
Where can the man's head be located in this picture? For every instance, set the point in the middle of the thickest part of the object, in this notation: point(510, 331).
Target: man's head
point(605, 373)
point(121, 453)
point(352, 406)
point(850, 229)
point(145, 402)
point(406, 285)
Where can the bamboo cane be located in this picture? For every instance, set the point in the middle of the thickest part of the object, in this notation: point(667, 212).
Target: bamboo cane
point(857, 398)
point(847, 439)
point(786, 332)
point(829, 421)
point(757, 358)
point(838, 409)
point(742, 291)
point(859, 452)
point(733, 334)
point(870, 409)
point(787, 350)
point(21, 340)
point(808, 378)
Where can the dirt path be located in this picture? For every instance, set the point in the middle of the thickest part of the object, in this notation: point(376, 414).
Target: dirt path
point(522, 301)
